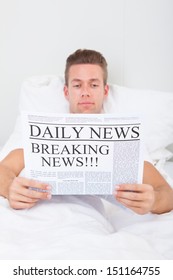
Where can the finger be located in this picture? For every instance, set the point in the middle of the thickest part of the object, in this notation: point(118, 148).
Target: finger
point(131, 203)
point(32, 183)
point(36, 194)
point(138, 210)
point(134, 187)
point(129, 195)
point(21, 205)
point(128, 187)
point(22, 198)
point(21, 186)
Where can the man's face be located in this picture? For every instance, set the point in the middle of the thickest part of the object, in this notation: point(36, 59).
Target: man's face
point(86, 90)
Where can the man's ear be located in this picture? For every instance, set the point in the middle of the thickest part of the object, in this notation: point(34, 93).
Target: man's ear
point(106, 90)
point(66, 93)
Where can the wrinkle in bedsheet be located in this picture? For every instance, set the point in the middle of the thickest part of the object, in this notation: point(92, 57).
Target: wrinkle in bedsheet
point(70, 229)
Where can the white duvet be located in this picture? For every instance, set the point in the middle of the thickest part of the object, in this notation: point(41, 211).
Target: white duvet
point(69, 228)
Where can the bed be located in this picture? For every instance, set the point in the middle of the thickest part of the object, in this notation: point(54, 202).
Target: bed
point(68, 227)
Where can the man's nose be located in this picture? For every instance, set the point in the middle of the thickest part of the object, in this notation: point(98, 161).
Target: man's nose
point(85, 91)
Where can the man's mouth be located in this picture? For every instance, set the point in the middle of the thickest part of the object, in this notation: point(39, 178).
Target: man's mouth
point(85, 103)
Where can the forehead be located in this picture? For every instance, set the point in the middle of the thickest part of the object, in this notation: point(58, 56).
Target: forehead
point(85, 72)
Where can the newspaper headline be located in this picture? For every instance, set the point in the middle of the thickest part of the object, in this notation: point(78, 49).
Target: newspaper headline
point(82, 154)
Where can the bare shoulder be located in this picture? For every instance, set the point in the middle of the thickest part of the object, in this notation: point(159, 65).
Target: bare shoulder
point(152, 176)
point(149, 167)
point(14, 161)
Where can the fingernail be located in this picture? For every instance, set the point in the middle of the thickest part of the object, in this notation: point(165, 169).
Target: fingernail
point(117, 187)
point(48, 187)
point(115, 193)
point(49, 196)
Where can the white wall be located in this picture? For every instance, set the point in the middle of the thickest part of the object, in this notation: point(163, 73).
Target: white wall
point(148, 51)
point(36, 36)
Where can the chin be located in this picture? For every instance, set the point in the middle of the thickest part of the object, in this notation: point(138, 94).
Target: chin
point(89, 112)
point(86, 111)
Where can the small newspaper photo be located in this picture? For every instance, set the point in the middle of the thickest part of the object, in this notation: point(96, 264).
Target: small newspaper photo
point(82, 153)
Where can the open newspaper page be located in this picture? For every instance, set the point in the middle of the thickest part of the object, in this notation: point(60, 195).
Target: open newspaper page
point(82, 153)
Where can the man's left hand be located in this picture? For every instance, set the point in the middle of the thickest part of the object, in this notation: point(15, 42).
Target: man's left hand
point(138, 197)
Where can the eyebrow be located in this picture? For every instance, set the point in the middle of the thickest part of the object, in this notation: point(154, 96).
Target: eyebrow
point(90, 80)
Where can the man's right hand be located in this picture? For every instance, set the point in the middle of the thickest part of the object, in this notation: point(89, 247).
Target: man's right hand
point(17, 189)
point(21, 196)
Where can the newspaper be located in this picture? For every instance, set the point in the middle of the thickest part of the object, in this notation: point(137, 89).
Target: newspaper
point(82, 153)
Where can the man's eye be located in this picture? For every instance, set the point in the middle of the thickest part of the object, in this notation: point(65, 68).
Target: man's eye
point(76, 86)
point(94, 85)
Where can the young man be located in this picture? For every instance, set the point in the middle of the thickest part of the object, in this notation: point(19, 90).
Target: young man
point(85, 89)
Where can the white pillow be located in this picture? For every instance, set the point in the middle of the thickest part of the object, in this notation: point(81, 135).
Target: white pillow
point(14, 141)
point(155, 107)
point(45, 94)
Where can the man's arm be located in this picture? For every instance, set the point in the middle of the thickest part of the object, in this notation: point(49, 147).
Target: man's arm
point(10, 167)
point(163, 192)
point(154, 195)
point(16, 189)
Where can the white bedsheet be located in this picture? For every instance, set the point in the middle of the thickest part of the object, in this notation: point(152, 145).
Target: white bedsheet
point(67, 228)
